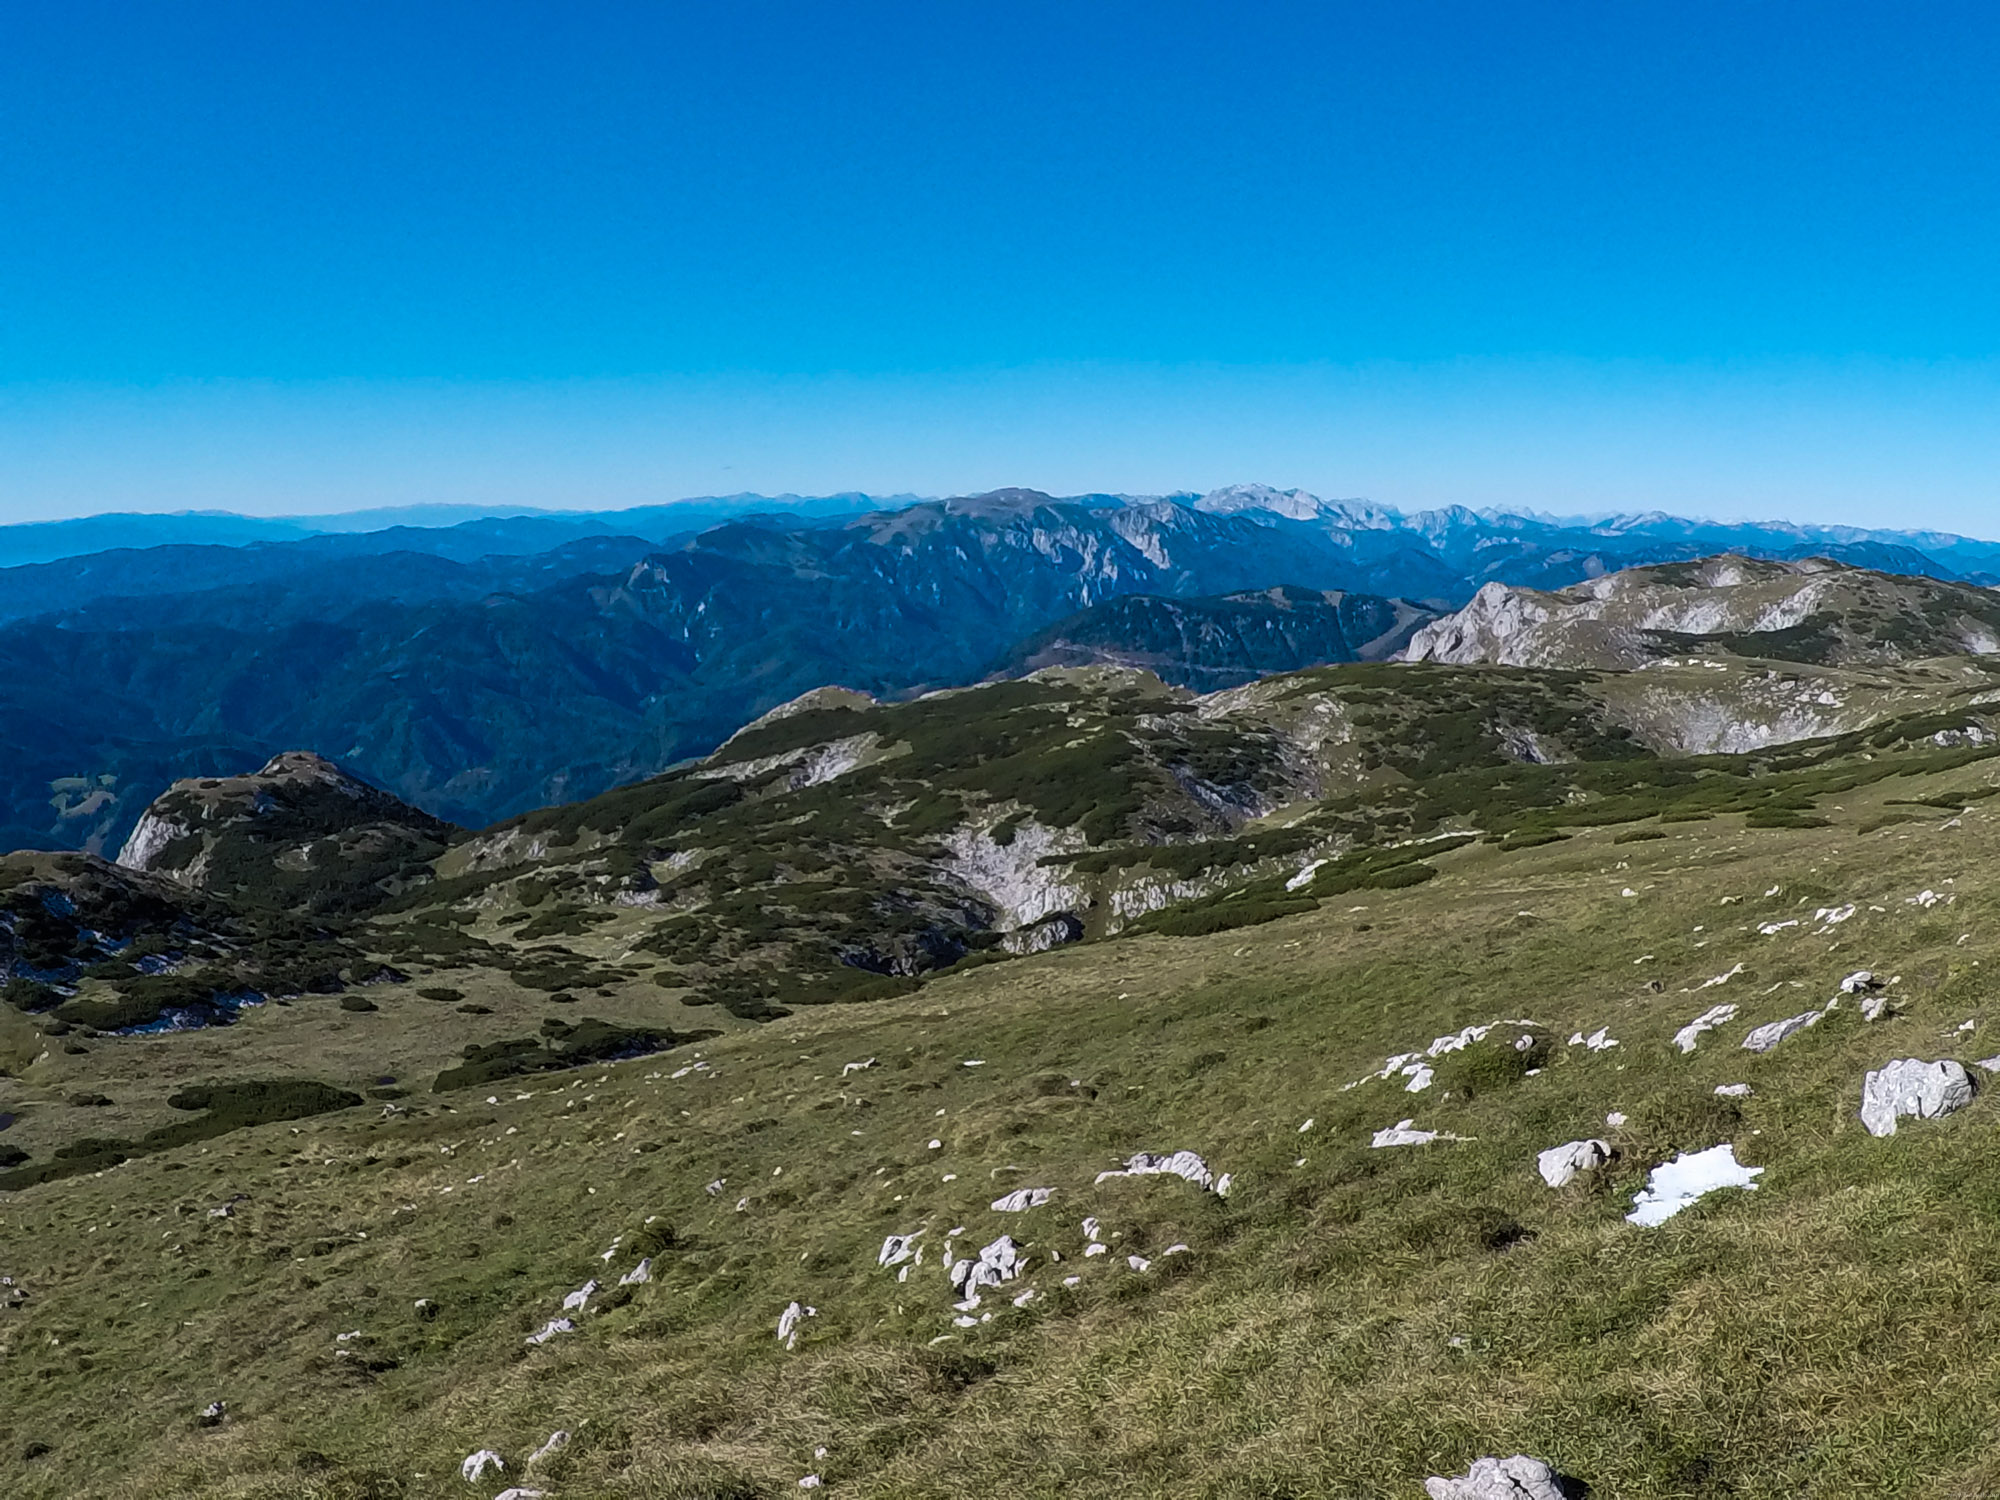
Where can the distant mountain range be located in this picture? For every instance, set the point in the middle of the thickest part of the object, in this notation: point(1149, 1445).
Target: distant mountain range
point(504, 662)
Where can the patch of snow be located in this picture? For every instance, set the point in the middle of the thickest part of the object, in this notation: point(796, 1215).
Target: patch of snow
point(1686, 1179)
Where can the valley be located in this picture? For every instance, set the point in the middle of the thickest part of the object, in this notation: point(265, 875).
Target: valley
point(1222, 1015)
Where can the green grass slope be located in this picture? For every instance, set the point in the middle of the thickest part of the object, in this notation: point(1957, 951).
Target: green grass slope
point(1346, 1321)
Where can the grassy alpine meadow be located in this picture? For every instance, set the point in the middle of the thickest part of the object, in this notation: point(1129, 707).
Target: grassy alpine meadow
point(357, 1288)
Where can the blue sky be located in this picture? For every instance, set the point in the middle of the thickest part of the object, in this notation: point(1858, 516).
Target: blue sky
point(1736, 260)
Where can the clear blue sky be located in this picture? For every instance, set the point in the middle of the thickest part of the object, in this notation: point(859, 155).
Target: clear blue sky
point(1739, 259)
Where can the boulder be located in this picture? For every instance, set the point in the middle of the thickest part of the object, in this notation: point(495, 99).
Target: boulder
point(1516, 1478)
point(1561, 1164)
point(1911, 1086)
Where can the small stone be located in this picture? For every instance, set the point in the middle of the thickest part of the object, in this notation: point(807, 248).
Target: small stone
point(575, 1301)
point(1690, 1034)
point(1733, 1090)
point(1764, 1038)
point(1022, 1198)
point(558, 1440)
point(475, 1466)
point(1560, 1165)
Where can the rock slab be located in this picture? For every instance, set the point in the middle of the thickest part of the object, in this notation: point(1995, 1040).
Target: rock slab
point(1911, 1086)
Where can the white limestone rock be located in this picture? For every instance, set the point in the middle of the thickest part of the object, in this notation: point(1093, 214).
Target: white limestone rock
point(550, 1329)
point(1182, 1164)
point(1859, 982)
point(558, 1440)
point(1405, 1133)
point(1911, 1086)
point(1021, 1199)
point(1516, 1478)
point(575, 1301)
point(475, 1466)
point(639, 1275)
point(1732, 1090)
point(1560, 1165)
point(789, 1320)
point(896, 1249)
point(1691, 1034)
point(1764, 1038)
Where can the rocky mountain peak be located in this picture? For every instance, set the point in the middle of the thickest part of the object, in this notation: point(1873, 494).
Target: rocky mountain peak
point(298, 821)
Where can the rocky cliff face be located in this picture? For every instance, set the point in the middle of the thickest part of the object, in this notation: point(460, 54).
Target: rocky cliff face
point(297, 830)
point(1815, 611)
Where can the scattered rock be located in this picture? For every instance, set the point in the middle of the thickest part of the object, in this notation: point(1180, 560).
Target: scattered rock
point(1764, 1038)
point(426, 1309)
point(1716, 1015)
point(1138, 1263)
point(474, 1468)
point(1404, 1133)
point(896, 1249)
point(518, 1492)
point(1677, 1184)
point(558, 1440)
point(1874, 1007)
point(1990, 1064)
point(1858, 982)
point(550, 1329)
point(1733, 1090)
point(1709, 984)
point(811, 1481)
point(998, 1263)
point(1911, 1086)
point(1561, 1164)
point(788, 1323)
point(1184, 1164)
point(1615, 1119)
point(855, 1067)
point(213, 1413)
point(575, 1301)
point(1599, 1040)
point(639, 1275)
point(1516, 1478)
point(1022, 1198)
